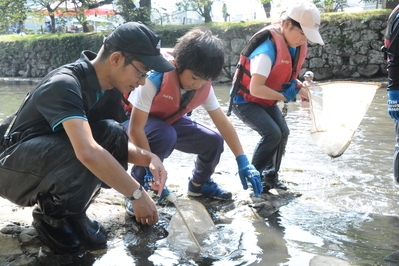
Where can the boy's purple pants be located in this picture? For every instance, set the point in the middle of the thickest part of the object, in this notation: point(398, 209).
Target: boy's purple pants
point(187, 136)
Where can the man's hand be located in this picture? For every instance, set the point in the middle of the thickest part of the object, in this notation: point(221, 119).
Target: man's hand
point(290, 90)
point(393, 104)
point(248, 173)
point(145, 209)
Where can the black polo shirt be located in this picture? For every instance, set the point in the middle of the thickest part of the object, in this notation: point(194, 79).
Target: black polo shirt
point(71, 91)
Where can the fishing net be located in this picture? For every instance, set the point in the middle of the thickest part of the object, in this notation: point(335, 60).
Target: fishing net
point(337, 109)
point(196, 218)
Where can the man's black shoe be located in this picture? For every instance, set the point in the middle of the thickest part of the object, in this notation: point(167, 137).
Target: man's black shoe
point(57, 234)
point(90, 231)
point(270, 181)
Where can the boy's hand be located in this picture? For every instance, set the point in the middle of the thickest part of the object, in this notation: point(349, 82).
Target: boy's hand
point(150, 185)
point(248, 173)
point(156, 174)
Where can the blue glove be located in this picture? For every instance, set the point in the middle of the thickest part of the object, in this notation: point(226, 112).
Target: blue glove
point(290, 90)
point(148, 180)
point(393, 104)
point(248, 173)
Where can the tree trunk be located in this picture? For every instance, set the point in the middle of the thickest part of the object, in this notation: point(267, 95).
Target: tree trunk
point(207, 13)
point(267, 8)
point(145, 12)
point(145, 3)
point(392, 4)
point(52, 19)
point(85, 27)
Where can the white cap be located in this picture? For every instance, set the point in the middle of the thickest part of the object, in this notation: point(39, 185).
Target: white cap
point(308, 16)
point(308, 74)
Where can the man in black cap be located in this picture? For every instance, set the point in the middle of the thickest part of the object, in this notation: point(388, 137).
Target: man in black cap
point(67, 141)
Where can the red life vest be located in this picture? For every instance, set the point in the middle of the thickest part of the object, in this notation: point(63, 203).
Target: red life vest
point(167, 53)
point(387, 36)
point(169, 105)
point(283, 70)
point(127, 106)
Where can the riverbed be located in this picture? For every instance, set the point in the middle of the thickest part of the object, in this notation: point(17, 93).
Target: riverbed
point(347, 211)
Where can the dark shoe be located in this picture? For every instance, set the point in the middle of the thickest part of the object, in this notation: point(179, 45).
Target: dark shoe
point(90, 231)
point(210, 189)
point(270, 181)
point(57, 234)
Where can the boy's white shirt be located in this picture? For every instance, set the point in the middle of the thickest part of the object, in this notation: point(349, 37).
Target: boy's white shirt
point(142, 97)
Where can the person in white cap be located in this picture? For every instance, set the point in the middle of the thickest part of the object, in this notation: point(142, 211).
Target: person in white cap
point(267, 73)
point(308, 76)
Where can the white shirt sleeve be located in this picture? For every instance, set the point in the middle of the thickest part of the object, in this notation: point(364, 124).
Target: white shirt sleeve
point(142, 96)
point(211, 103)
point(261, 64)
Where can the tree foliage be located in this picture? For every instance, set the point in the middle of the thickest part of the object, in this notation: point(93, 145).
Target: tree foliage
point(327, 5)
point(130, 12)
point(51, 7)
point(264, 2)
point(12, 11)
point(202, 7)
point(337, 5)
point(79, 7)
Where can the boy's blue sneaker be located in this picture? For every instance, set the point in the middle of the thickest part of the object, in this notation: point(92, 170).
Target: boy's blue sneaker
point(129, 207)
point(210, 189)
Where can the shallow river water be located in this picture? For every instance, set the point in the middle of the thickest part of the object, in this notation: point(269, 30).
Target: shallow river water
point(348, 208)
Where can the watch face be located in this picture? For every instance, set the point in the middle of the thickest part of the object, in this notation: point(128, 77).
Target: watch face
point(137, 193)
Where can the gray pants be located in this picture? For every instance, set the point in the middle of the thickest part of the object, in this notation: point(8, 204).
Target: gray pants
point(45, 170)
point(272, 127)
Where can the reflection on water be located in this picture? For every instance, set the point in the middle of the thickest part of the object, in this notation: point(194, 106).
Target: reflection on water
point(348, 208)
point(12, 93)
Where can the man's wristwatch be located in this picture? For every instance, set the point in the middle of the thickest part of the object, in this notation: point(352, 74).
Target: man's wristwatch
point(137, 193)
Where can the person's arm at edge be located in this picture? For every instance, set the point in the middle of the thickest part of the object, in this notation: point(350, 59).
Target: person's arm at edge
point(393, 54)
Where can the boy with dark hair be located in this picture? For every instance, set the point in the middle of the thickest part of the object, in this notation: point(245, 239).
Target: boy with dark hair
point(159, 121)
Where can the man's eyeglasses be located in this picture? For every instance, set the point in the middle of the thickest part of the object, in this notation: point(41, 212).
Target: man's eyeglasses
point(141, 74)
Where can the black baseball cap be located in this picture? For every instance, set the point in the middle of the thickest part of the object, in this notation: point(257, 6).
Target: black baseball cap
point(140, 41)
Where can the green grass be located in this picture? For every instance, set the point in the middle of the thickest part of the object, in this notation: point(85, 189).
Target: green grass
point(333, 16)
point(325, 17)
point(222, 25)
point(33, 37)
